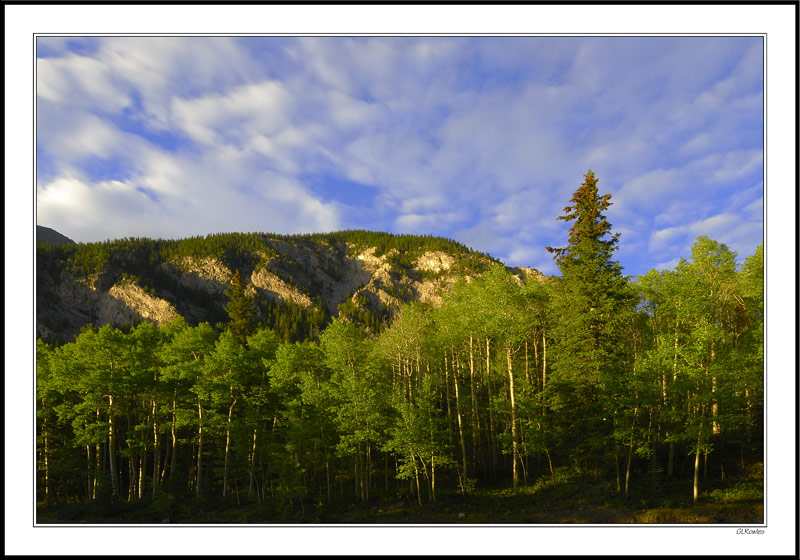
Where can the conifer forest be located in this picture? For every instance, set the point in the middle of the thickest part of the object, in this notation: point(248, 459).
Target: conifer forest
point(516, 399)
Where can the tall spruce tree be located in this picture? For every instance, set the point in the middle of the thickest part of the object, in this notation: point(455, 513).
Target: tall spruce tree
point(591, 299)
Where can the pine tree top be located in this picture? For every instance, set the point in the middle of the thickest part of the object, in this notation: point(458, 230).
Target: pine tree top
point(588, 241)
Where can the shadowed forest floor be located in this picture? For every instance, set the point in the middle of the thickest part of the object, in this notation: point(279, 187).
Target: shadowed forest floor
point(573, 501)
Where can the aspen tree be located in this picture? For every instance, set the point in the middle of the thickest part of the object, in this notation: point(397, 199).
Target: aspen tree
point(710, 278)
point(183, 358)
point(45, 415)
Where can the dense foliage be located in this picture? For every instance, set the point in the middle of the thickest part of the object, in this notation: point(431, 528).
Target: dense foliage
point(510, 380)
point(244, 251)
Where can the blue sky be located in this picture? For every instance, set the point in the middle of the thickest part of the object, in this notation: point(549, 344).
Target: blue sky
point(480, 139)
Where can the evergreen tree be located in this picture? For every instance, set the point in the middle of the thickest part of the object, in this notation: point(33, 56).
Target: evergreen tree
point(590, 301)
point(240, 308)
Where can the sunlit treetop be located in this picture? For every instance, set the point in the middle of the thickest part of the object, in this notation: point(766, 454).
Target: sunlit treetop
point(590, 238)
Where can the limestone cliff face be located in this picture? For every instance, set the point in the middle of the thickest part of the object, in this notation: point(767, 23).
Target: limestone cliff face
point(75, 302)
point(324, 271)
point(525, 272)
point(127, 302)
point(389, 288)
point(276, 289)
point(434, 261)
point(377, 289)
point(206, 274)
point(353, 276)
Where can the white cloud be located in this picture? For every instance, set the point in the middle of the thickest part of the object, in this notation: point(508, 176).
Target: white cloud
point(481, 236)
point(539, 258)
point(681, 194)
point(161, 173)
point(189, 196)
point(744, 195)
point(322, 62)
point(668, 265)
point(51, 83)
point(81, 136)
point(754, 210)
point(296, 207)
point(413, 223)
point(348, 112)
point(740, 234)
point(698, 144)
point(735, 165)
point(713, 226)
point(681, 211)
point(159, 68)
point(78, 207)
point(254, 109)
point(423, 203)
point(659, 239)
point(746, 75)
point(79, 81)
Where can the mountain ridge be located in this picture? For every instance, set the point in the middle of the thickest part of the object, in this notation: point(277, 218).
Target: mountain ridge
point(298, 282)
point(49, 235)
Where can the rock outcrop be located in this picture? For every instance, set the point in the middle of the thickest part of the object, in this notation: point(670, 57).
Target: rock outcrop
point(205, 274)
point(276, 289)
point(127, 302)
point(434, 261)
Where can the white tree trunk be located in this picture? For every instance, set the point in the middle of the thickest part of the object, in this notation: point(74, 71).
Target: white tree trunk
point(514, 443)
point(156, 452)
point(199, 483)
point(544, 369)
point(112, 444)
point(476, 425)
point(253, 465)
point(697, 471)
point(460, 429)
point(142, 463)
point(48, 494)
point(227, 449)
point(173, 459)
point(492, 438)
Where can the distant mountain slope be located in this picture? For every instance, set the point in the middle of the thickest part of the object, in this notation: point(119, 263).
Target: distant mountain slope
point(49, 235)
point(298, 282)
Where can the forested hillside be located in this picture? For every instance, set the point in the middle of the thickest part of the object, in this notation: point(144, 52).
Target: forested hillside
point(645, 389)
point(298, 282)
